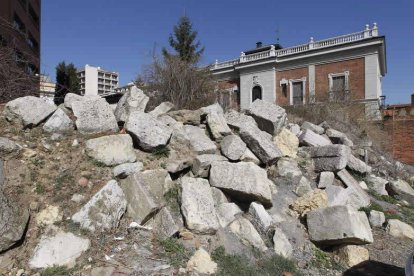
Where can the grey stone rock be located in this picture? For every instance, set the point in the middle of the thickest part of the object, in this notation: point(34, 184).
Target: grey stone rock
point(325, 179)
point(227, 213)
point(354, 188)
point(288, 167)
point(303, 187)
point(199, 141)
point(146, 131)
point(112, 149)
point(399, 229)
point(126, 169)
point(187, 117)
point(104, 209)
point(376, 218)
point(312, 139)
point(238, 120)
point(178, 137)
point(281, 244)
point(202, 163)
point(259, 217)
point(358, 165)
point(28, 111)
point(131, 101)
point(401, 188)
point(162, 109)
point(246, 232)
point(58, 122)
point(94, 115)
point(197, 206)
point(338, 137)
point(330, 158)
point(58, 249)
point(70, 98)
point(338, 196)
point(260, 144)
point(268, 116)
point(244, 181)
point(8, 146)
point(295, 129)
point(144, 192)
point(233, 147)
point(13, 220)
point(176, 166)
point(218, 196)
point(217, 125)
point(338, 225)
point(165, 225)
point(248, 156)
point(315, 128)
point(377, 184)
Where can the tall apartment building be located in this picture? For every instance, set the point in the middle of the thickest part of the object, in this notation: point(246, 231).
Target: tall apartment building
point(20, 22)
point(96, 81)
point(347, 67)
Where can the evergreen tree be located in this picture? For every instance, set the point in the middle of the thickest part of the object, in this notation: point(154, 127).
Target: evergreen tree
point(66, 81)
point(183, 41)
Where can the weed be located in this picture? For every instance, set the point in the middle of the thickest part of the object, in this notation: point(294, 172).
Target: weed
point(163, 165)
point(38, 162)
point(63, 178)
point(57, 271)
point(322, 259)
point(175, 251)
point(372, 206)
point(229, 265)
point(407, 214)
point(171, 197)
point(161, 151)
point(98, 163)
point(40, 189)
point(385, 198)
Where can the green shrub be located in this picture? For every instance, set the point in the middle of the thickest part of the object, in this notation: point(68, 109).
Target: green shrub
point(161, 151)
point(56, 271)
point(174, 251)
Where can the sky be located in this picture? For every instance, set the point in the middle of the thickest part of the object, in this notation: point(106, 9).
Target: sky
point(122, 35)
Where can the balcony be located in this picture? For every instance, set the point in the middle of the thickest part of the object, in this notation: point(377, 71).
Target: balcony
point(340, 40)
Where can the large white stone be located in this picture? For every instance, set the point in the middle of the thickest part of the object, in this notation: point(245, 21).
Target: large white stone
point(354, 194)
point(268, 116)
point(59, 249)
point(358, 165)
point(377, 184)
point(197, 206)
point(288, 168)
point(59, 122)
point(260, 144)
point(338, 225)
point(246, 232)
point(94, 115)
point(233, 147)
point(28, 111)
point(104, 209)
point(315, 128)
point(200, 142)
point(399, 229)
point(8, 146)
point(133, 100)
point(217, 125)
point(112, 149)
point(403, 189)
point(244, 181)
point(238, 120)
point(126, 169)
point(260, 217)
point(165, 225)
point(330, 158)
point(351, 255)
point(162, 109)
point(310, 138)
point(326, 179)
point(227, 213)
point(202, 163)
point(70, 98)
point(146, 131)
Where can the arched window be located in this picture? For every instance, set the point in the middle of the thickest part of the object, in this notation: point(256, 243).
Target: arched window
point(256, 93)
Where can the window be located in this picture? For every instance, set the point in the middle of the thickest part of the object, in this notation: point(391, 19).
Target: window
point(339, 86)
point(18, 23)
point(33, 15)
point(256, 93)
point(297, 91)
point(33, 43)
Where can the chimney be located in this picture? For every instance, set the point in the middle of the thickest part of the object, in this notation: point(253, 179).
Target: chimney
point(258, 44)
point(412, 99)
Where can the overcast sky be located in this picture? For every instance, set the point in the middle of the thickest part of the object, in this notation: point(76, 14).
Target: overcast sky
point(120, 35)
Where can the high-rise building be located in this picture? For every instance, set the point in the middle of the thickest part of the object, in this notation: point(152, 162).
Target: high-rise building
point(20, 22)
point(96, 81)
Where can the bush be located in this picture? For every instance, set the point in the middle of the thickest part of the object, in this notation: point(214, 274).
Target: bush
point(179, 82)
point(175, 252)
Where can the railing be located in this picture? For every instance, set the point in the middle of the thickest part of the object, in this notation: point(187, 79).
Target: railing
point(367, 33)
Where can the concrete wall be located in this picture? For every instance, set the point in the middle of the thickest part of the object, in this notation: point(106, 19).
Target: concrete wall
point(263, 76)
point(91, 81)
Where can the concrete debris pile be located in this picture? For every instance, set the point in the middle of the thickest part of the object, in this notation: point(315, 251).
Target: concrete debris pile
point(249, 176)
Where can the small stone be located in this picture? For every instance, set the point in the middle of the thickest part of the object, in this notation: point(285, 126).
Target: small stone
point(77, 198)
point(310, 201)
point(376, 218)
point(259, 217)
point(75, 143)
point(351, 255)
point(201, 262)
point(49, 215)
point(399, 229)
point(281, 244)
point(83, 182)
point(29, 153)
point(233, 147)
point(34, 206)
point(126, 169)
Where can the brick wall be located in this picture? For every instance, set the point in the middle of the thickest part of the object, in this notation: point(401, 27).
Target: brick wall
point(356, 68)
point(229, 99)
point(402, 138)
point(284, 99)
